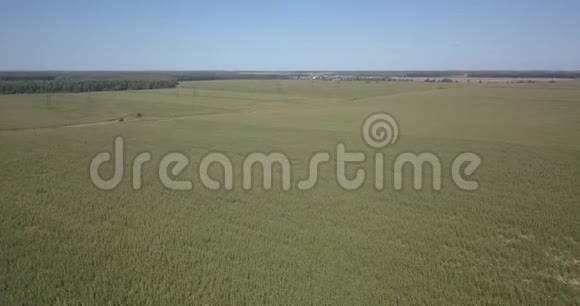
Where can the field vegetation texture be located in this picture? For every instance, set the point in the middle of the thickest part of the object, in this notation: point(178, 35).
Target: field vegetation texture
point(516, 240)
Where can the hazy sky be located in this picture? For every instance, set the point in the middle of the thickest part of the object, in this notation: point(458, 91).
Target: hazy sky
point(289, 35)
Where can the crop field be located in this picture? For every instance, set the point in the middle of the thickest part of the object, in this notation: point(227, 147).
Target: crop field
point(515, 240)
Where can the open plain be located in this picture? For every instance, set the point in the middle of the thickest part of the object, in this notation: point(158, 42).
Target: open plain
point(514, 240)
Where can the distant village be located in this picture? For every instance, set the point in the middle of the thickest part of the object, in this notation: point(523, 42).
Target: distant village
point(465, 78)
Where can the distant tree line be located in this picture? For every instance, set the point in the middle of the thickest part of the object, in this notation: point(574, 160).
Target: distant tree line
point(75, 86)
point(22, 82)
point(15, 76)
point(525, 74)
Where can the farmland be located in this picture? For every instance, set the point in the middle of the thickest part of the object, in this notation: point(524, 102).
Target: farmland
point(516, 240)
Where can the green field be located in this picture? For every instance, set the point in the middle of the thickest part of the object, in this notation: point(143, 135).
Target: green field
point(516, 240)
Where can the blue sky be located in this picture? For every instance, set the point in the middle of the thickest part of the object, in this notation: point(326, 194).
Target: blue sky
point(289, 35)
